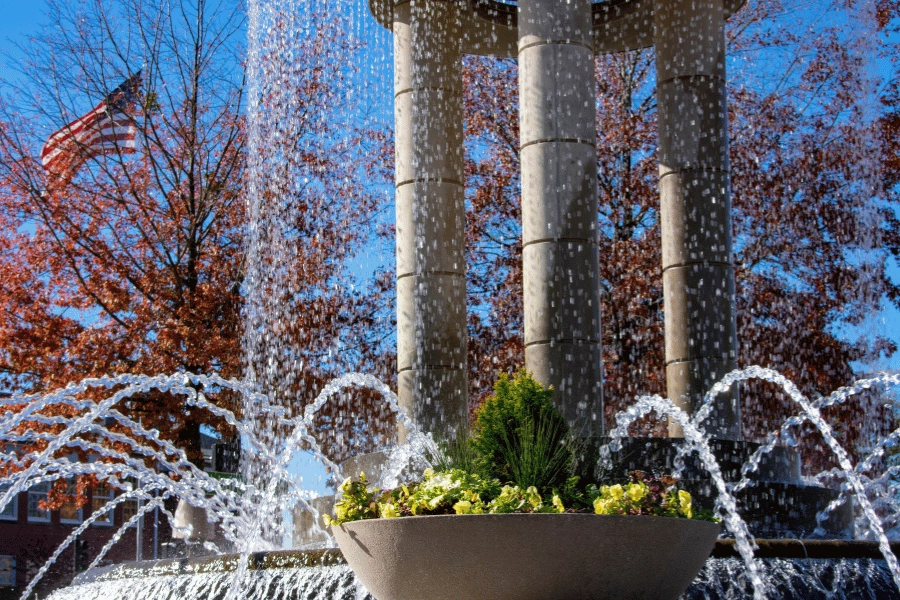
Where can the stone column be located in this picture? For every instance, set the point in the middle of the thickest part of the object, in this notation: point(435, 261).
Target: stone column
point(431, 283)
point(695, 204)
point(559, 205)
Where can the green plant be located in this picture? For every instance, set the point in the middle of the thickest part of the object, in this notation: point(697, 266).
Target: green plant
point(459, 492)
point(356, 503)
point(455, 454)
point(521, 437)
point(642, 495)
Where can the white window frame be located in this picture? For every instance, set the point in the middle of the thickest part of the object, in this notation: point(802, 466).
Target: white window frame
point(77, 520)
point(11, 512)
point(7, 574)
point(109, 518)
point(37, 493)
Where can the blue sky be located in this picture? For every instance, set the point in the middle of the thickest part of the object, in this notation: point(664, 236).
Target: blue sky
point(18, 20)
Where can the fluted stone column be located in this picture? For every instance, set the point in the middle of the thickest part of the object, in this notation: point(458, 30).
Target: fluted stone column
point(698, 273)
point(559, 204)
point(431, 286)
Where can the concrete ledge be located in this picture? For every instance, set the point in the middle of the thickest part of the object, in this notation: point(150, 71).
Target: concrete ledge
point(225, 563)
point(295, 559)
point(800, 549)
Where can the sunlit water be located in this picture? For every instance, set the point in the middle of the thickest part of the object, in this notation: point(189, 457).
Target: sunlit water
point(309, 583)
point(721, 578)
point(253, 513)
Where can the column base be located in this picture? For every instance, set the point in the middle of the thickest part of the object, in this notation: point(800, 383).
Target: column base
point(689, 381)
point(575, 371)
point(437, 400)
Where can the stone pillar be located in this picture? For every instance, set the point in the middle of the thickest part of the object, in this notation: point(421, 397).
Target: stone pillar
point(559, 205)
point(695, 205)
point(431, 283)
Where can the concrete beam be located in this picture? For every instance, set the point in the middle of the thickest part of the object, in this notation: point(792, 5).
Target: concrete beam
point(490, 27)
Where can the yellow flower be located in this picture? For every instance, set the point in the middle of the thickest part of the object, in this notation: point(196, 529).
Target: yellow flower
point(388, 511)
point(463, 507)
point(636, 492)
point(684, 500)
point(340, 511)
point(558, 503)
point(533, 497)
point(604, 506)
point(617, 492)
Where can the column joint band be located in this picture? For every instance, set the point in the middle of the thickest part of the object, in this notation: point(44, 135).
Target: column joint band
point(431, 272)
point(585, 341)
point(427, 367)
point(591, 242)
point(702, 263)
point(681, 170)
point(719, 78)
point(427, 88)
point(428, 180)
point(676, 361)
point(592, 144)
point(556, 43)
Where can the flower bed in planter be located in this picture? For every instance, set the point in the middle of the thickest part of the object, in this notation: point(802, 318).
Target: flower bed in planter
point(520, 511)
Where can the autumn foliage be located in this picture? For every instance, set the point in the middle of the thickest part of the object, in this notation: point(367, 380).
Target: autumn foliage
point(141, 263)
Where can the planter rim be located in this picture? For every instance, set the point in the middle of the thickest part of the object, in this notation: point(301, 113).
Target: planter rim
point(529, 515)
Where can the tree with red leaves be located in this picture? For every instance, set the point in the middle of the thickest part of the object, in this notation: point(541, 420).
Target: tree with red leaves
point(137, 264)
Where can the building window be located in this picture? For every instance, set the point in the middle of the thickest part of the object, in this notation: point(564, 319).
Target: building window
point(8, 571)
point(68, 512)
point(11, 511)
point(102, 494)
point(36, 495)
point(130, 507)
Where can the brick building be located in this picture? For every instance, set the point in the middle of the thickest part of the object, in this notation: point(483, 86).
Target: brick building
point(29, 536)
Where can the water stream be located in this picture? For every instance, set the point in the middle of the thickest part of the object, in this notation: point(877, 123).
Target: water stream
point(253, 512)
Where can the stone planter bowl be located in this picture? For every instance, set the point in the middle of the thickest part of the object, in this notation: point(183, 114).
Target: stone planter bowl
point(526, 556)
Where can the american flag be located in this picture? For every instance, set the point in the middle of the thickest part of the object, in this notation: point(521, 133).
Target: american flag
point(110, 127)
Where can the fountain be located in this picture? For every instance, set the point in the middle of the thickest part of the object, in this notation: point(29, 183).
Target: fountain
point(240, 509)
point(555, 44)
